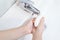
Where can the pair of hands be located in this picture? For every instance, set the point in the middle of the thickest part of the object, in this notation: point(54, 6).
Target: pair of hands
point(29, 26)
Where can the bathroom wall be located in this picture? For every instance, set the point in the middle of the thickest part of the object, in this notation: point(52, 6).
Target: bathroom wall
point(5, 5)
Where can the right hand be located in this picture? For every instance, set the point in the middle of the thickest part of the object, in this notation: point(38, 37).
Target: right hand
point(40, 28)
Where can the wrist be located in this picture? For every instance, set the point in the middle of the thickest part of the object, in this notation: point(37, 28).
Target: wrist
point(22, 31)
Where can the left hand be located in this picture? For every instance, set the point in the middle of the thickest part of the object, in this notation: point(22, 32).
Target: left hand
point(28, 25)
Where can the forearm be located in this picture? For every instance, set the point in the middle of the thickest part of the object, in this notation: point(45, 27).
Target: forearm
point(12, 34)
point(37, 36)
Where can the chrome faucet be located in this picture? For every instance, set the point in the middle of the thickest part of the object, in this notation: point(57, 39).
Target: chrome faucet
point(27, 5)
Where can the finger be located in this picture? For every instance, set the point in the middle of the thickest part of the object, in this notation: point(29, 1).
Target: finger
point(41, 24)
point(33, 20)
point(30, 20)
point(27, 21)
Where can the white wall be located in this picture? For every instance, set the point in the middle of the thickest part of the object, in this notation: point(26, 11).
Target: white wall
point(4, 5)
point(53, 20)
point(49, 8)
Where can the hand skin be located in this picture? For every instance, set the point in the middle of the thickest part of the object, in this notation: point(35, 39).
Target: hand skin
point(14, 34)
point(38, 31)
